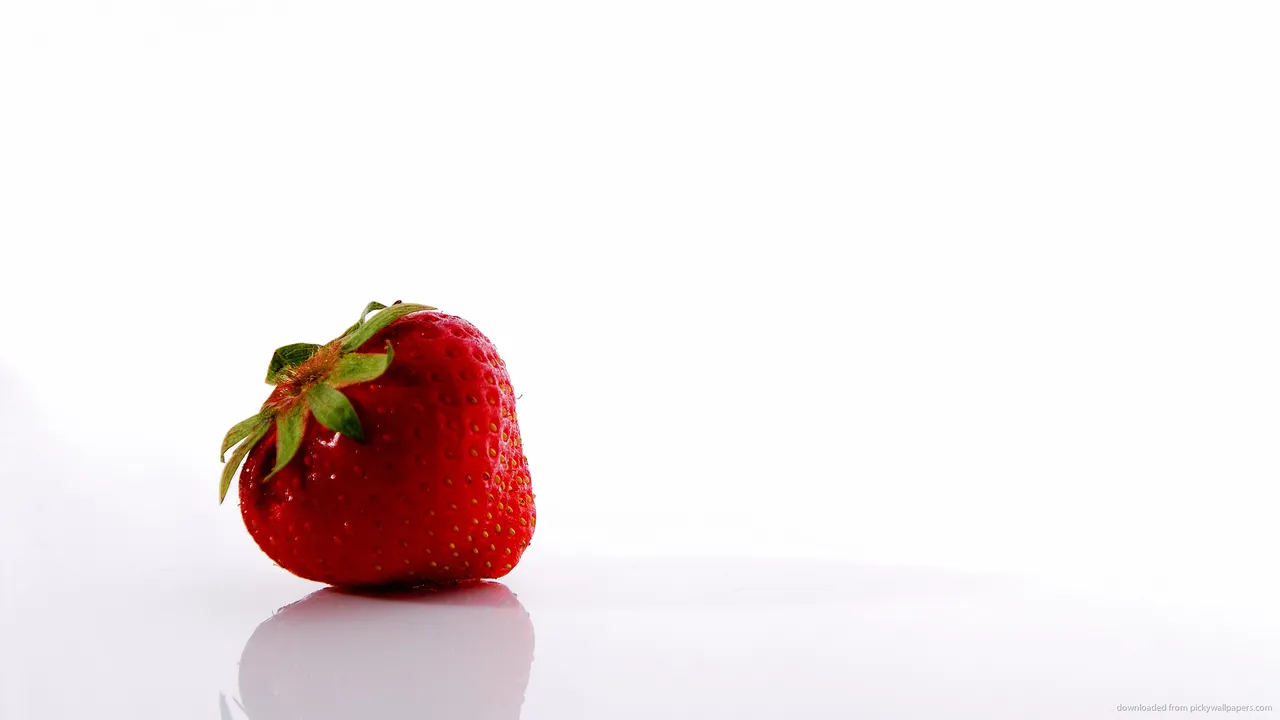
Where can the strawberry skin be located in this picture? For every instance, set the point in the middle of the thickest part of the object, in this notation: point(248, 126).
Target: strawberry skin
point(438, 488)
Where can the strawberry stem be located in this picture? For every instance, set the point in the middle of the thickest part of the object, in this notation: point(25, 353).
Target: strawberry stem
point(306, 378)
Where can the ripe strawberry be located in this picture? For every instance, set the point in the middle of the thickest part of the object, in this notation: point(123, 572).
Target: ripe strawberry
point(394, 468)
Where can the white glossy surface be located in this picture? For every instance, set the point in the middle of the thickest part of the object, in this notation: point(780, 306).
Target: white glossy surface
point(985, 289)
point(634, 639)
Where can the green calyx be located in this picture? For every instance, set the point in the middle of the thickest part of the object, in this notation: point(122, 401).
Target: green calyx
point(307, 379)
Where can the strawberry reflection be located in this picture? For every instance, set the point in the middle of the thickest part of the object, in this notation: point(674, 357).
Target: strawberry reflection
point(457, 653)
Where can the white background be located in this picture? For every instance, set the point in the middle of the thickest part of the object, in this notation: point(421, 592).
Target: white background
point(985, 286)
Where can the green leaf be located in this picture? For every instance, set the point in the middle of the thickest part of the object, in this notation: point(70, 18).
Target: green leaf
point(289, 429)
point(367, 328)
point(287, 357)
point(238, 432)
point(355, 368)
point(375, 305)
point(237, 457)
point(333, 410)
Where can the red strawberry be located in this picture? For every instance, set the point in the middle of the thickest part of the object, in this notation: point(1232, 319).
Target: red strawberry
point(392, 468)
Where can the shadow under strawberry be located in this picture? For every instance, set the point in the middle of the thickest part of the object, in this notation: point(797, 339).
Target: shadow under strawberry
point(461, 653)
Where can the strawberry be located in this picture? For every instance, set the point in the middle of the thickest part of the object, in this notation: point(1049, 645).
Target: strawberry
point(390, 456)
point(457, 653)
